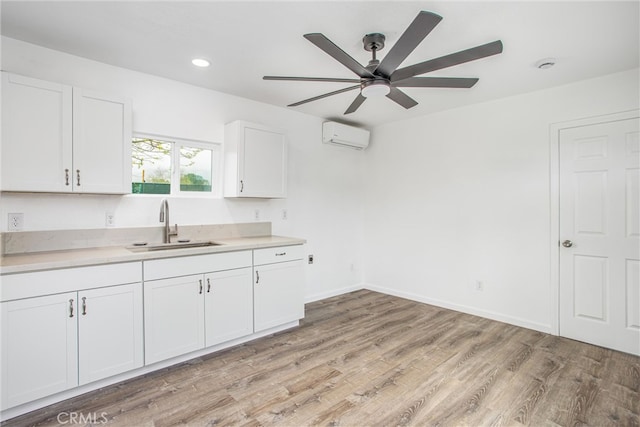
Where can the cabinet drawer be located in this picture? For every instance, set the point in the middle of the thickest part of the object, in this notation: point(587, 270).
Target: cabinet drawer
point(197, 264)
point(26, 285)
point(278, 254)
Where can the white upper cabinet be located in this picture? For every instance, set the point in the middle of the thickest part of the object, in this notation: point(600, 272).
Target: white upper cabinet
point(36, 134)
point(56, 138)
point(101, 143)
point(255, 161)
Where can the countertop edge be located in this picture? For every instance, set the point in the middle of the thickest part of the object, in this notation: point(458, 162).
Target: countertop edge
point(54, 260)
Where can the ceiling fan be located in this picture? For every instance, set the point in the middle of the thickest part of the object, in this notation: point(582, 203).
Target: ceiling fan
point(380, 78)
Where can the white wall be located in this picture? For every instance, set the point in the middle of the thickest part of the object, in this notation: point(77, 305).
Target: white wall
point(434, 204)
point(324, 203)
point(465, 194)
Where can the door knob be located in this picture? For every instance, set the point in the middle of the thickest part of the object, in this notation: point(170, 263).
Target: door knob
point(567, 243)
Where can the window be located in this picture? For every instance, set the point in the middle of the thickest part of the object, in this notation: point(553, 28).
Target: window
point(171, 166)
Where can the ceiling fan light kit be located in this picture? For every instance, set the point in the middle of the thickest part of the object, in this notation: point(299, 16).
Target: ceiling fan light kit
point(375, 88)
point(383, 78)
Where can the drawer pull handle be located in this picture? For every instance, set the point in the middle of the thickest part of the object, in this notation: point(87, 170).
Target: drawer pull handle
point(208, 285)
point(241, 186)
point(257, 277)
point(84, 306)
point(71, 307)
point(200, 281)
point(78, 176)
point(281, 254)
point(66, 177)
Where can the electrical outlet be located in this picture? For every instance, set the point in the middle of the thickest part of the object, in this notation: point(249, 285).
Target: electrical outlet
point(285, 215)
point(16, 221)
point(479, 285)
point(310, 259)
point(256, 214)
point(110, 219)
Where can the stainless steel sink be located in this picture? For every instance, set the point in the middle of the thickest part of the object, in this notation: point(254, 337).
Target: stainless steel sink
point(144, 247)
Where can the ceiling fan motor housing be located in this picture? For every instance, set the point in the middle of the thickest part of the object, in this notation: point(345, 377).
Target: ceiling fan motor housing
point(373, 41)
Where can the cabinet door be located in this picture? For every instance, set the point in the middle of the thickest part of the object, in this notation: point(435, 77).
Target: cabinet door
point(36, 135)
point(278, 294)
point(263, 163)
point(101, 143)
point(39, 347)
point(173, 317)
point(228, 305)
point(109, 331)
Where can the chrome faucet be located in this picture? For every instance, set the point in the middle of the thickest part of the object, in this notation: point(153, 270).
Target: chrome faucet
point(164, 217)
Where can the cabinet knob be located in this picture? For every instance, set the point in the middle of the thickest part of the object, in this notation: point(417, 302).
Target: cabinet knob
point(567, 243)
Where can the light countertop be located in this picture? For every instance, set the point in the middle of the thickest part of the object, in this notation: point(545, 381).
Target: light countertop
point(49, 260)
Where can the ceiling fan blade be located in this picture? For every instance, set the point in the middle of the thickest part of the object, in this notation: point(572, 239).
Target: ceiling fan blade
point(338, 54)
point(453, 82)
point(311, 79)
point(421, 26)
point(461, 57)
point(401, 98)
point(315, 98)
point(355, 104)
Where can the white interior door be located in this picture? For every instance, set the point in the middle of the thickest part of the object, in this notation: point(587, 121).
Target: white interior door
point(599, 234)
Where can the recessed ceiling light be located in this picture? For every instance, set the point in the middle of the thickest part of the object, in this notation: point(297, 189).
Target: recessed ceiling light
point(200, 62)
point(546, 63)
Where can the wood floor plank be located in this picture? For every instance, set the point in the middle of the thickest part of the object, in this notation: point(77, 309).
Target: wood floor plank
point(368, 359)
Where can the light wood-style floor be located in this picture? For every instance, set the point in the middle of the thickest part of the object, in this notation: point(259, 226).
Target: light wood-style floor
point(367, 359)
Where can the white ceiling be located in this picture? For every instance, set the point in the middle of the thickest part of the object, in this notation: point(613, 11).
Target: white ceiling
point(246, 40)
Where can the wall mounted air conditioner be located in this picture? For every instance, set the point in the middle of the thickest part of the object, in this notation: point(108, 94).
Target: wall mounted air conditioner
point(346, 136)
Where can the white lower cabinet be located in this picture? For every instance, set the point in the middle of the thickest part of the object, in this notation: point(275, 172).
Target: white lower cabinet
point(57, 342)
point(69, 327)
point(39, 348)
point(191, 312)
point(173, 317)
point(109, 331)
point(228, 305)
point(278, 286)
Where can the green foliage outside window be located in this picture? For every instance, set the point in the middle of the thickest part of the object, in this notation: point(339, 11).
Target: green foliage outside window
point(153, 161)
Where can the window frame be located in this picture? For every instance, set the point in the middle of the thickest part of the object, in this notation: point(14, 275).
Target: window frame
point(176, 144)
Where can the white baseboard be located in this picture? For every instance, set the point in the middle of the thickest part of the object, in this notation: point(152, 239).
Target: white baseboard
point(333, 293)
point(512, 320)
